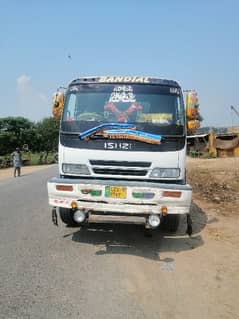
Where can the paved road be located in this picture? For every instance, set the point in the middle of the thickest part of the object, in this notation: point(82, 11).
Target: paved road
point(104, 271)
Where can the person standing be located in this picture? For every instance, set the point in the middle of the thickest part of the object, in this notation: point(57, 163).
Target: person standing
point(17, 162)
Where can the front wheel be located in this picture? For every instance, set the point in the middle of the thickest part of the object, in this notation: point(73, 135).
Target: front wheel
point(66, 215)
point(170, 222)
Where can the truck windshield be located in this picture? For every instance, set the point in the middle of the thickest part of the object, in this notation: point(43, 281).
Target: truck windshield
point(152, 108)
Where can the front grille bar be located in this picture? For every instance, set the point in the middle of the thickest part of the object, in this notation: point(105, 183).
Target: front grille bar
point(119, 171)
point(120, 163)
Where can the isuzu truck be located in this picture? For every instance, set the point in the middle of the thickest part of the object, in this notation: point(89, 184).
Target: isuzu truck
point(122, 151)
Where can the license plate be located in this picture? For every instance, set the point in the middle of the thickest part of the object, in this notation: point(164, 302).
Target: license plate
point(115, 191)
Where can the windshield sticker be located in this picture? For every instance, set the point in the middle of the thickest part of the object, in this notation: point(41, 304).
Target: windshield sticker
point(174, 90)
point(130, 79)
point(122, 93)
point(161, 118)
point(122, 116)
point(74, 89)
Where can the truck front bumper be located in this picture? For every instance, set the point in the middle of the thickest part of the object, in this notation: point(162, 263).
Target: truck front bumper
point(140, 198)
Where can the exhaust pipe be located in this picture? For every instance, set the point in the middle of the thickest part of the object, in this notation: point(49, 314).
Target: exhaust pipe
point(79, 216)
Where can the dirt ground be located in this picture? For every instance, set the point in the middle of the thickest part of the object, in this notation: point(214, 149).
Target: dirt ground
point(8, 172)
point(215, 184)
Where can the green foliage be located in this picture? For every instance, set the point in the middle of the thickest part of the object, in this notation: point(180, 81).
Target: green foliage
point(5, 161)
point(198, 154)
point(209, 155)
point(17, 131)
point(194, 154)
point(47, 134)
point(40, 158)
point(14, 132)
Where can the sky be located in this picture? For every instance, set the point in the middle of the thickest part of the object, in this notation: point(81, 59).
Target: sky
point(193, 42)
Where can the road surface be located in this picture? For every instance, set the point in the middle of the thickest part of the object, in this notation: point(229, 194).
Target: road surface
point(105, 270)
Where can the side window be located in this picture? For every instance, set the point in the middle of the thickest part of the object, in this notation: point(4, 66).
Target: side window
point(180, 111)
point(70, 114)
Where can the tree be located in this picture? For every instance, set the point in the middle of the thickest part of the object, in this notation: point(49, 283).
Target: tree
point(47, 135)
point(15, 132)
point(40, 137)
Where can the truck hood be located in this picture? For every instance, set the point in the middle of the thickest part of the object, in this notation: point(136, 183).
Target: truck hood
point(160, 159)
point(122, 164)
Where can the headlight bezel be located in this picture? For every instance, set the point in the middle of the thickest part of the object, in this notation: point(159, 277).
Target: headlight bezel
point(75, 169)
point(163, 173)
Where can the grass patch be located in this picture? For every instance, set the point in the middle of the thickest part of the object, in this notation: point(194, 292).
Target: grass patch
point(29, 158)
point(41, 159)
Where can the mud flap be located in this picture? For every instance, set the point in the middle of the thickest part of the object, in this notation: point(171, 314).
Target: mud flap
point(54, 216)
point(189, 230)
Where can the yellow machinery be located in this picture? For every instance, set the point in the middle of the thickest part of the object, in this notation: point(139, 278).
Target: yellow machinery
point(192, 112)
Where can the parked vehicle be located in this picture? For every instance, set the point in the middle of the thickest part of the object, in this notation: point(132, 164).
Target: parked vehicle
point(122, 150)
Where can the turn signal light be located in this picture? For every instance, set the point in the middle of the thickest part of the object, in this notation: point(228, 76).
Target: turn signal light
point(65, 188)
point(164, 210)
point(172, 194)
point(74, 205)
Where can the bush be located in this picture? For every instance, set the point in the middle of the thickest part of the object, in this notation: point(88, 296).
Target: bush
point(5, 161)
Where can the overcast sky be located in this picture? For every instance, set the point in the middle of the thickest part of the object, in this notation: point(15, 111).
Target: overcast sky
point(194, 42)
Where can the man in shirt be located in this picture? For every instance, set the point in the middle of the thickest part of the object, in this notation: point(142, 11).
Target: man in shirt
point(17, 162)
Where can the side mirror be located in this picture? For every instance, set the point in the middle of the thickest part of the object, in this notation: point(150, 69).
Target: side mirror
point(192, 112)
point(57, 104)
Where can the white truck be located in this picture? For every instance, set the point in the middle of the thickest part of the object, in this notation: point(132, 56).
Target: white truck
point(122, 151)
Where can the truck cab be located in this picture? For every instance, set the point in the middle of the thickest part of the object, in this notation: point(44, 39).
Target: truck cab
point(122, 150)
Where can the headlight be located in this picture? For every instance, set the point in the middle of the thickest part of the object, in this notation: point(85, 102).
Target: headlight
point(78, 169)
point(165, 173)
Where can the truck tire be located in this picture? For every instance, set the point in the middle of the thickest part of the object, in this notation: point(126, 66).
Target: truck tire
point(170, 223)
point(66, 215)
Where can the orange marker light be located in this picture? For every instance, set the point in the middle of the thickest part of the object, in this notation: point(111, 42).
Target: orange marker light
point(74, 205)
point(164, 210)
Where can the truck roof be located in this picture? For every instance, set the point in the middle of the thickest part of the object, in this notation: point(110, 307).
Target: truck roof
point(124, 80)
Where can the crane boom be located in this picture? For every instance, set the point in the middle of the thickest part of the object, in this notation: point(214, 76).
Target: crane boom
point(235, 110)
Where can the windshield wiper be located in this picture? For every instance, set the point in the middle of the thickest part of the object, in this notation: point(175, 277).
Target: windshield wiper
point(69, 133)
point(120, 131)
point(100, 128)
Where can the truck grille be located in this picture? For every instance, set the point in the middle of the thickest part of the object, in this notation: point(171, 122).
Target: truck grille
point(123, 168)
point(120, 163)
point(118, 171)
